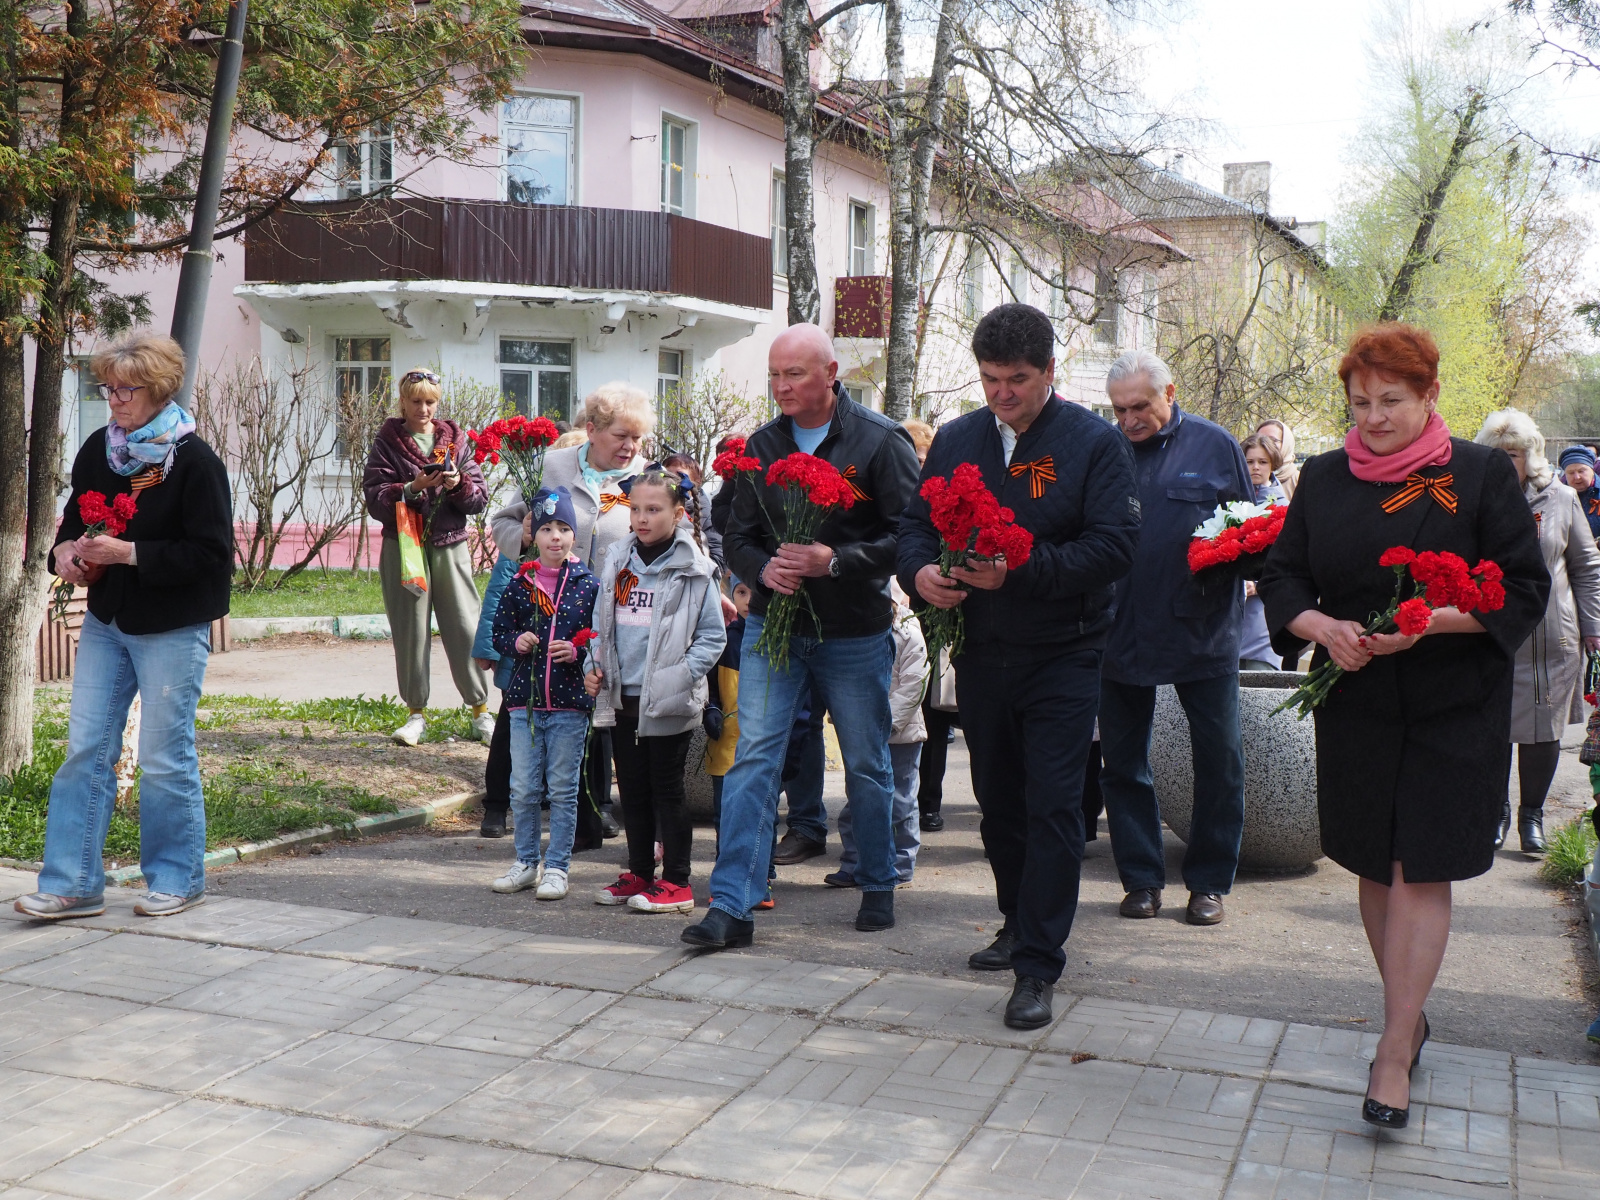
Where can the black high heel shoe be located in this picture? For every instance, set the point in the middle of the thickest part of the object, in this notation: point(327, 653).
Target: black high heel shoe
point(1384, 1115)
point(1427, 1032)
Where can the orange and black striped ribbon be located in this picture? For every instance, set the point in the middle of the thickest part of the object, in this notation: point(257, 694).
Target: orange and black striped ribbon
point(1040, 471)
point(626, 580)
point(1417, 485)
point(148, 477)
point(849, 474)
point(1594, 505)
point(545, 601)
point(610, 500)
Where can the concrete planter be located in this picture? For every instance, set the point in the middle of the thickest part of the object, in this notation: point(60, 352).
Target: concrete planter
point(1280, 773)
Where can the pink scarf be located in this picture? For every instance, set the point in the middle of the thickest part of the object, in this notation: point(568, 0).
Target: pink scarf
point(1431, 449)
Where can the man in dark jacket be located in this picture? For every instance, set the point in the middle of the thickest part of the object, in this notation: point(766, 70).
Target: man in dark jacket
point(845, 576)
point(1028, 680)
point(1171, 629)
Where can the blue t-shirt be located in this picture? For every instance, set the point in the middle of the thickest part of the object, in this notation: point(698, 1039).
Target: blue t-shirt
point(809, 439)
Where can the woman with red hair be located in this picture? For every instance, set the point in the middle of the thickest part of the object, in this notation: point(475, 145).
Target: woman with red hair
point(1411, 744)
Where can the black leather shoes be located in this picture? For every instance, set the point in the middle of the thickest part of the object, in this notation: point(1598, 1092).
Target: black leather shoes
point(795, 848)
point(1501, 833)
point(1205, 908)
point(1530, 829)
point(931, 822)
point(877, 912)
point(997, 956)
point(1029, 1006)
point(719, 931)
point(494, 825)
point(1141, 903)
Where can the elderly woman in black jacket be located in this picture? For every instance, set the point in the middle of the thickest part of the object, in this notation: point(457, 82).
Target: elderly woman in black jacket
point(1412, 742)
point(154, 589)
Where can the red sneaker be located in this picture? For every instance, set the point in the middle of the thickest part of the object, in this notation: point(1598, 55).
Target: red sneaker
point(663, 897)
point(767, 903)
point(626, 887)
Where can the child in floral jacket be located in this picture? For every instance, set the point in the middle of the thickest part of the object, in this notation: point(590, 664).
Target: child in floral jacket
point(542, 621)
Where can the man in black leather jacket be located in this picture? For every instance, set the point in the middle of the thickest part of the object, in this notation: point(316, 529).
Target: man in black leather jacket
point(845, 575)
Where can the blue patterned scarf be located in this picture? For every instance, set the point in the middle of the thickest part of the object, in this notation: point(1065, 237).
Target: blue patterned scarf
point(151, 444)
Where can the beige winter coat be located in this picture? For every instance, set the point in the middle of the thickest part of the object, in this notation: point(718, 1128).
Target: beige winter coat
point(1547, 693)
point(597, 530)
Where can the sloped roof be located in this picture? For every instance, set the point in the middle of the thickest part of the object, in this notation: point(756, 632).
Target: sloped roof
point(1156, 195)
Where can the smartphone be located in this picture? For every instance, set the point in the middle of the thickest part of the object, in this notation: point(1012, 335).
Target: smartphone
point(448, 466)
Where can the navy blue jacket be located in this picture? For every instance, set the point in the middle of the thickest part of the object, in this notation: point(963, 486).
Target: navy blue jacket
point(1085, 526)
point(553, 685)
point(1590, 499)
point(1169, 628)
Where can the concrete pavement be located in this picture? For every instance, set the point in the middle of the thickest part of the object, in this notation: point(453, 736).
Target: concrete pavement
point(272, 1051)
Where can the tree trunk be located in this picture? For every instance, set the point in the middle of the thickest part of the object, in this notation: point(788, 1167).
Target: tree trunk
point(799, 148)
point(1399, 294)
point(913, 142)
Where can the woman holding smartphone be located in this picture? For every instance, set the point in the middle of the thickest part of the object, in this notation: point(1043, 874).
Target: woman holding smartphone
point(425, 464)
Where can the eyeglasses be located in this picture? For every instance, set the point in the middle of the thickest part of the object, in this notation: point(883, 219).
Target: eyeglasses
point(419, 377)
point(123, 394)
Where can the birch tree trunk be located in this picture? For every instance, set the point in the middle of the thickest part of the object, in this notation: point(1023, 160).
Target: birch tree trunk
point(799, 148)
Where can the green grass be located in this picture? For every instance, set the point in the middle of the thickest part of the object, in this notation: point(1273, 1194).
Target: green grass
point(1571, 850)
point(315, 593)
point(256, 797)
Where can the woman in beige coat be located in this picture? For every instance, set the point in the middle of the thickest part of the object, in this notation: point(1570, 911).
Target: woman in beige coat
point(1547, 694)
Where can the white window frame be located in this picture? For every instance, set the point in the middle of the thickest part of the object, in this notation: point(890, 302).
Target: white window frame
point(778, 224)
point(972, 282)
point(1150, 298)
point(1019, 278)
point(861, 256)
point(691, 154)
point(338, 364)
point(365, 166)
point(667, 380)
point(87, 393)
point(1108, 319)
point(534, 370)
point(574, 152)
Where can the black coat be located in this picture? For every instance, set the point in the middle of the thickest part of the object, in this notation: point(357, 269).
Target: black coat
point(1412, 749)
point(1085, 526)
point(878, 457)
point(182, 532)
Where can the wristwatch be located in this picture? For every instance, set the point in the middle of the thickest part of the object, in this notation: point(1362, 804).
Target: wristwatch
point(833, 567)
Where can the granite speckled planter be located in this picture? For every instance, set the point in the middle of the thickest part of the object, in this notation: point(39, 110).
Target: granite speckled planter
point(1280, 773)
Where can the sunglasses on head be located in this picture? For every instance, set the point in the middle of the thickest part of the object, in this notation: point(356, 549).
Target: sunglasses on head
point(419, 377)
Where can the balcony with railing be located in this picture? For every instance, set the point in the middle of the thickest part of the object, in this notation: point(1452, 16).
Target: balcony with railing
point(517, 245)
point(861, 306)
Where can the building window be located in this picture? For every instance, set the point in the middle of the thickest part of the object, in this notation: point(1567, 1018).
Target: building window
point(1019, 279)
point(861, 238)
point(859, 392)
point(365, 165)
point(669, 378)
point(540, 138)
point(1058, 297)
point(972, 284)
point(93, 411)
point(1151, 300)
point(1108, 311)
point(677, 167)
point(536, 377)
point(780, 229)
point(361, 373)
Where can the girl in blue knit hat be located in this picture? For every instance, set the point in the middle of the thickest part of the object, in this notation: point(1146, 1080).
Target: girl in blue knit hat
point(541, 611)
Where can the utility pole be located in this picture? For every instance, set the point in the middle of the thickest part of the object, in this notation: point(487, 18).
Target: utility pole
point(194, 280)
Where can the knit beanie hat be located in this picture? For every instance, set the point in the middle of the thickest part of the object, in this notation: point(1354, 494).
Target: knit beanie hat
point(553, 504)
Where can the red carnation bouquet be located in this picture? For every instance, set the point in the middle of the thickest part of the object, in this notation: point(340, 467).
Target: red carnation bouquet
point(1438, 579)
point(733, 462)
point(813, 489)
point(522, 442)
point(1238, 535)
point(101, 518)
point(973, 527)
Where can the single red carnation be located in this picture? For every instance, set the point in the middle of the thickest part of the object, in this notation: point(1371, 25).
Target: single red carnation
point(1413, 617)
point(1011, 542)
point(1397, 556)
point(1492, 596)
point(582, 638)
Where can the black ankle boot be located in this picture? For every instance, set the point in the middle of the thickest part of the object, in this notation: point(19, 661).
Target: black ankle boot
point(877, 912)
point(1530, 828)
point(720, 931)
point(1505, 826)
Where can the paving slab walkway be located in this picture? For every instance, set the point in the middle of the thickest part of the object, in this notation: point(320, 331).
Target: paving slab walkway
point(261, 1050)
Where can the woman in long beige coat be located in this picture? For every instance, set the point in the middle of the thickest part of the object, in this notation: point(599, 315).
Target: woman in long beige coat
point(1548, 691)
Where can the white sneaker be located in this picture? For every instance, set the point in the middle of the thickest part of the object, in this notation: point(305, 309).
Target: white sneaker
point(553, 886)
point(520, 878)
point(410, 733)
point(483, 727)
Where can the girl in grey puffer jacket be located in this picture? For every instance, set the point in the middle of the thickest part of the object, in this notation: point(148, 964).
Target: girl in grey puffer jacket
point(658, 625)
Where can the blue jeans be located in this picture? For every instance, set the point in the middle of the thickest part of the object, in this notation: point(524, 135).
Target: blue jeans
point(904, 758)
point(167, 671)
point(546, 760)
point(854, 675)
point(804, 771)
point(1132, 812)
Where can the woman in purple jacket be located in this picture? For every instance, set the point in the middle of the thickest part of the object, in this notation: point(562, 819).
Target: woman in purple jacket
point(426, 465)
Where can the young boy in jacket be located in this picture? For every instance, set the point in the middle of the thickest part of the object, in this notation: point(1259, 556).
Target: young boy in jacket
point(541, 610)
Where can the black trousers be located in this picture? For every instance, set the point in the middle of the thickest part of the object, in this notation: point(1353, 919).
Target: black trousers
point(935, 753)
point(650, 781)
point(1029, 721)
point(497, 771)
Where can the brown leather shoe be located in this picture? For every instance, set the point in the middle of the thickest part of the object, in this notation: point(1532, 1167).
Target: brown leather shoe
point(1143, 902)
point(1205, 908)
point(796, 848)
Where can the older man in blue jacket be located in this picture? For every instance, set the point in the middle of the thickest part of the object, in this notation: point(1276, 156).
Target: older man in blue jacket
point(1028, 679)
point(1171, 629)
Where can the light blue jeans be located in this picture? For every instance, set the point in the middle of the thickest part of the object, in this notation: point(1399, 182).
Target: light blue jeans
point(905, 758)
point(167, 671)
point(854, 675)
point(546, 760)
